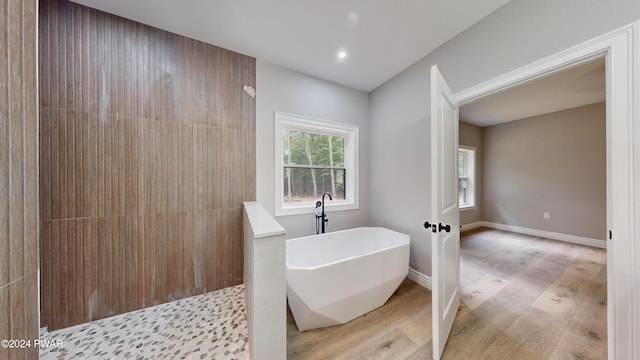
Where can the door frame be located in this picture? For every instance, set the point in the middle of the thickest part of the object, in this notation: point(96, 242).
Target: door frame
point(621, 49)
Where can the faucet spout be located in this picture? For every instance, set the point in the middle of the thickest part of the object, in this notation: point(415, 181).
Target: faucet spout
point(322, 218)
point(330, 198)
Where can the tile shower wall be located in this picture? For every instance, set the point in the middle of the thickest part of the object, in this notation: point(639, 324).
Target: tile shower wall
point(147, 146)
point(18, 178)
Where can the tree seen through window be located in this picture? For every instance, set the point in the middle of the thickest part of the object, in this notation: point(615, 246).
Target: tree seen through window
point(312, 163)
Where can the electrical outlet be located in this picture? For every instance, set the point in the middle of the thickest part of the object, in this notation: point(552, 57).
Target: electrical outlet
point(546, 215)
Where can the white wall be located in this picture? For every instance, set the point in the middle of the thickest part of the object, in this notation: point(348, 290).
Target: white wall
point(519, 33)
point(552, 163)
point(399, 176)
point(280, 89)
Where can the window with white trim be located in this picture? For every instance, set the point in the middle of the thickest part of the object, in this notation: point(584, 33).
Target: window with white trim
point(466, 177)
point(314, 156)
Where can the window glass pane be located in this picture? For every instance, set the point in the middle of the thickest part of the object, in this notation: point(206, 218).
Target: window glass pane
point(463, 194)
point(308, 185)
point(461, 164)
point(306, 148)
point(337, 149)
point(466, 163)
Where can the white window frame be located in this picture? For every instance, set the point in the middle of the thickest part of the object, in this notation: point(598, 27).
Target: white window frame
point(470, 170)
point(351, 162)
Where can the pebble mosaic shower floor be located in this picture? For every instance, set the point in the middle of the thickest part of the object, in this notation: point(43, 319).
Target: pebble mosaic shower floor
point(208, 326)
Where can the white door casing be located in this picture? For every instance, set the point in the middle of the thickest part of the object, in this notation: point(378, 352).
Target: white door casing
point(445, 215)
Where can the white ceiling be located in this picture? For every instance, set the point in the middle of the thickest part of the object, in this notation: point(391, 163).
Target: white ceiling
point(382, 37)
point(577, 86)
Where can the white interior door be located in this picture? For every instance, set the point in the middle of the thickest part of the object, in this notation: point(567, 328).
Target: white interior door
point(445, 216)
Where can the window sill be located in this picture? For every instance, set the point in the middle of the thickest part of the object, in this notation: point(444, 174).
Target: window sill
point(311, 208)
point(467, 208)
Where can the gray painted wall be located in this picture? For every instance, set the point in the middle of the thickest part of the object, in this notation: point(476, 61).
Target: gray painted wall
point(550, 163)
point(471, 135)
point(279, 89)
point(517, 34)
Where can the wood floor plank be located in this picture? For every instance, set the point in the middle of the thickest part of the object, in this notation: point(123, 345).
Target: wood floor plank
point(561, 298)
point(418, 327)
point(470, 271)
point(587, 337)
point(477, 292)
point(569, 290)
point(423, 352)
point(532, 336)
point(392, 344)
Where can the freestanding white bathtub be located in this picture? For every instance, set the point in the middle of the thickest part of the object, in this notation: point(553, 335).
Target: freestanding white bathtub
point(336, 277)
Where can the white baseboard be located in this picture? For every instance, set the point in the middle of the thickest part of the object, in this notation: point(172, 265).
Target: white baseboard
point(471, 226)
point(419, 278)
point(541, 233)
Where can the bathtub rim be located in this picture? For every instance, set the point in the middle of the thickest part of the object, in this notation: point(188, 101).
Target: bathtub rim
point(402, 235)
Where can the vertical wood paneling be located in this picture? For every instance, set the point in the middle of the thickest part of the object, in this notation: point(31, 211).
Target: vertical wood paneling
point(50, 298)
point(87, 271)
point(19, 212)
point(147, 152)
point(15, 133)
point(5, 255)
point(94, 309)
point(5, 259)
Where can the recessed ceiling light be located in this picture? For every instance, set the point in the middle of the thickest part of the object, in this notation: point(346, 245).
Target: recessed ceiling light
point(342, 55)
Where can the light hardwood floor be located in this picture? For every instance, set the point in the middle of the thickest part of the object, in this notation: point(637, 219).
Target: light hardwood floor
point(523, 297)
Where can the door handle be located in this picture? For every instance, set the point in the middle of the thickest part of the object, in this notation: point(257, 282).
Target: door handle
point(430, 226)
point(441, 227)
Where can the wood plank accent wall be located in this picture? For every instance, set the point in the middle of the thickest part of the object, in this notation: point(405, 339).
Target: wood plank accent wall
point(18, 176)
point(147, 146)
